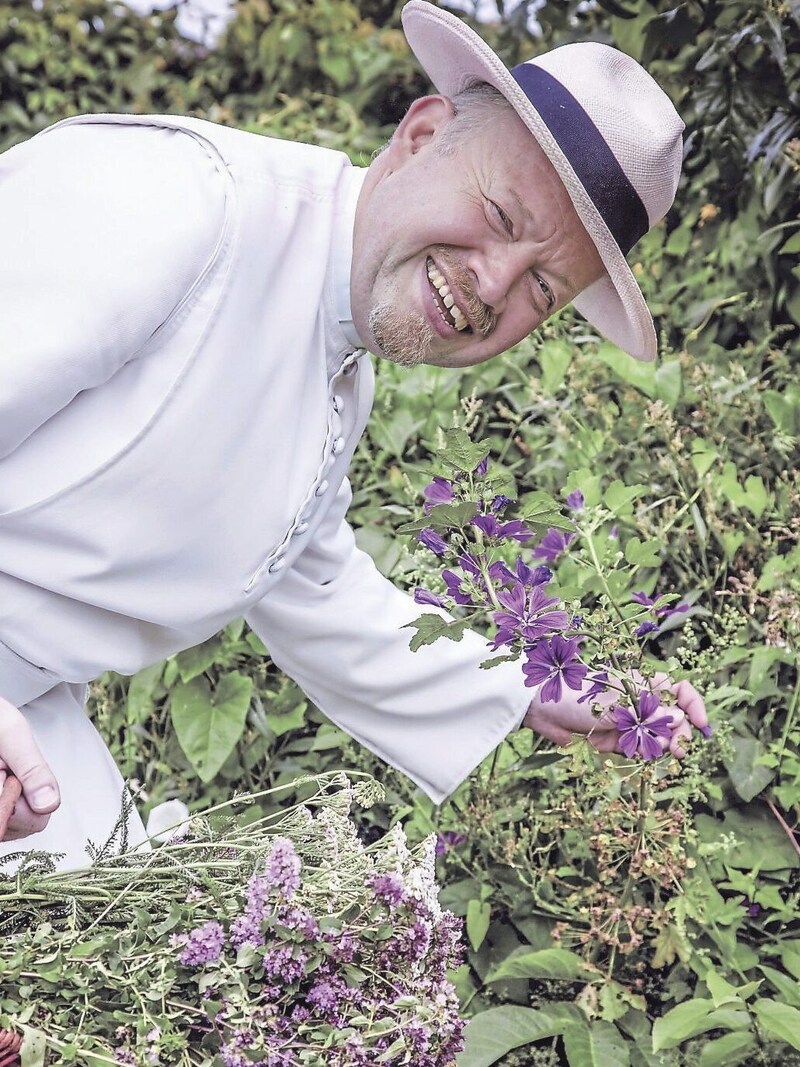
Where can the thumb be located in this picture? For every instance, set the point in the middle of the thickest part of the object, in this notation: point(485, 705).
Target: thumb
point(20, 755)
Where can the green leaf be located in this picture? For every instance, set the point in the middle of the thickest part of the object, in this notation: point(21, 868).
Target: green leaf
point(728, 1050)
point(668, 382)
point(619, 497)
point(554, 358)
point(749, 777)
point(546, 963)
point(684, 1021)
point(788, 988)
point(432, 627)
point(283, 722)
point(791, 246)
point(598, 1045)
point(704, 456)
point(493, 1033)
point(723, 992)
point(207, 724)
point(195, 661)
point(781, 1020)
point(643, 553)
point(34, 1048)
point(461, 452)
point(141, 690)
point(641, 376)
point(479, 915)
point(539, 509)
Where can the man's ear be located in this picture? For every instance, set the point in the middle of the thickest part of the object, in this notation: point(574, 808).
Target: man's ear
point(420, 125)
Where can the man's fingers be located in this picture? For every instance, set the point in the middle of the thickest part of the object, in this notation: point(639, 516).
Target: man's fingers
point(692, 703)
point(21, 755)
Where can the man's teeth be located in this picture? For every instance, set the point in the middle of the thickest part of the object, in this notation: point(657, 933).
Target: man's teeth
point(443, 289)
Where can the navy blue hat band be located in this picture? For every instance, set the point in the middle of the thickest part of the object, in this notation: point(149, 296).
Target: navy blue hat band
point(590, 157)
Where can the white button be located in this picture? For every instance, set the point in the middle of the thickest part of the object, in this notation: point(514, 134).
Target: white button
point(278, 565)
point(338, 446)
point(321, 488)
point(338, 404)
point(300, 528)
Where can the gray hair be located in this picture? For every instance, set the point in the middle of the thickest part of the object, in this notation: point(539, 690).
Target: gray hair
point(473, 106)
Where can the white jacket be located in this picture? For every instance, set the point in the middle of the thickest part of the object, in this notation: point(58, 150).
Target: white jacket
point(181, 392)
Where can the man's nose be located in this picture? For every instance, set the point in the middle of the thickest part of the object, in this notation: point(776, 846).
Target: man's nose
point(497, 270)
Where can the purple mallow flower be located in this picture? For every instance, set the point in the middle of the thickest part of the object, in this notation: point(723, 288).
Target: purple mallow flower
point(482, 467)
point(552, 545)
point(599, 685)
point(448, 839)
point(640, 730)
point(425, 596)
point(432, 540)
point(645, 628)
point(526, 615)
point(439, 491)
point(500, 503)
point(501, 531)
point(203, 945)
point(575, 500)
point(553, 662)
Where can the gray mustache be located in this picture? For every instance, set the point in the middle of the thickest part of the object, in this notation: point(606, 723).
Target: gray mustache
point(480, 315)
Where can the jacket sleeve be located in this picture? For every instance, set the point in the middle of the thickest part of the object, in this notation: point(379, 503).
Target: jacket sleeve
point(335, 625)
point(103, 228)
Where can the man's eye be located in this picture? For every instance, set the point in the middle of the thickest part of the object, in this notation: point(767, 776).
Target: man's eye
point(504, 219)
point(549, 295)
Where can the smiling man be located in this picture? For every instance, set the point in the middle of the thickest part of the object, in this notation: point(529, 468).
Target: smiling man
point(184, 316)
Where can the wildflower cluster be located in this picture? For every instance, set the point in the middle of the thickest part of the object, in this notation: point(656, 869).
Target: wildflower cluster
point(359, 983)
point(272, 943)
point(501, 555)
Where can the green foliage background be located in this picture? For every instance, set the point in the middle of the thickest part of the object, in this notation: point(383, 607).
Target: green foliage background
point(711, 432)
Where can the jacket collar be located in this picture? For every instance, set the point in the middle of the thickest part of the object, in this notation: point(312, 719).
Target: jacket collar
point(342, 334)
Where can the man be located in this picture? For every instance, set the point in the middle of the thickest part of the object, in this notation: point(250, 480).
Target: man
point(184, 310)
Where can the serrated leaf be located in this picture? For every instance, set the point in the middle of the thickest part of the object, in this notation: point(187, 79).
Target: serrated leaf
point(493, 1033)
point(545, 963)
point(643, 553)
point(619, 497)
point(443, 517)
point(598, 1045)
point(431, 628)
point(461, 452)
point(207, 724)
point(542, 510)
point(479, 915)
point(781, 1020)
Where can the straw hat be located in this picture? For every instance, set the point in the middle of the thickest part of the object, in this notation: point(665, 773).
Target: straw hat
point(611, 133)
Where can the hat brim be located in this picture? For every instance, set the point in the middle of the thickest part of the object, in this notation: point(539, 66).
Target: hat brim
point(455, 57)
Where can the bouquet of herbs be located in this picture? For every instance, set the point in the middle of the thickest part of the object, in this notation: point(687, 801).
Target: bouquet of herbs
point(270, 943)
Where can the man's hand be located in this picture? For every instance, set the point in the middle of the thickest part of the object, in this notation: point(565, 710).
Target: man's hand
point(559, 720)
point(20, 755)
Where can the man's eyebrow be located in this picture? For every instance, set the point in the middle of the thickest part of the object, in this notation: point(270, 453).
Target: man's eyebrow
point(525, 210)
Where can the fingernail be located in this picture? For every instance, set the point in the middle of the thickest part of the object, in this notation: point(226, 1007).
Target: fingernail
point(706, 731)
point(42, 798)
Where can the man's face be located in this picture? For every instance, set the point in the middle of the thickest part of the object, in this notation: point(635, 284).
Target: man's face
point(459, 255)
